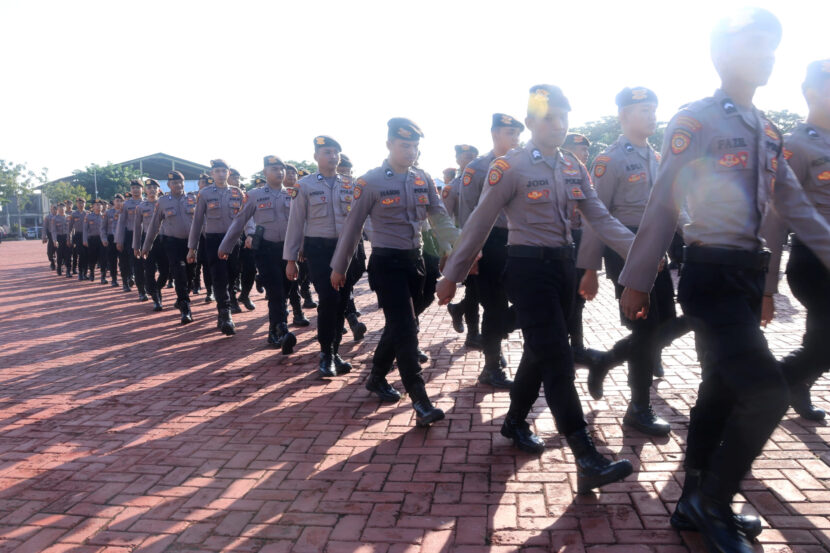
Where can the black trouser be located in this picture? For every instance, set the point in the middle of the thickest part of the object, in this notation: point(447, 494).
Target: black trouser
point(470, 304)
point(93, 255)
point(79, 253)
point(248, 270)
point(575, 320)
point(304, 278)
point(64, 253)
point(271, 268)
point(431, 263)
point(175, 250)
point(809, 281)
point(742, 394)
point(493, 295)
point(112, 257)
point(397, 277)
point(50, 248)
point(129, 269)
point(642, 347)
point(221, 274)
point(156, 261)
point(331, 303)
point(356, 270)
point(203, 264)
point(542, 290)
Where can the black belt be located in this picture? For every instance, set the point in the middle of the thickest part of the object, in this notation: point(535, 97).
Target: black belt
point(758, 261)
point(164, 237)
point(541, 252)
point(280, 244)
point(318, 241)
point(413, 253)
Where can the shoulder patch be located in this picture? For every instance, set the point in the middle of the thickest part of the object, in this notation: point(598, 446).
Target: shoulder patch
point(292, 192)
point(468, 176)
point(599, 169)
point(494, 176)
point(788, 153)
point(680, 140)
point(688, 122)
point(446, 191)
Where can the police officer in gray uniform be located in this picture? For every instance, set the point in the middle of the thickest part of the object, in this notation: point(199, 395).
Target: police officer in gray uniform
point(623, 176)
point(76, 232)
point(723, 160)
point(172, 219)
point(399, 198)
point(47, 235)
point(155, 260)
point(111, 216)
point(265, 219)
point(536, 188)
point(92, 240)
point(131, 268)
point(498, 320)
point(60, 232)
point(216, 207)
point(318, 210)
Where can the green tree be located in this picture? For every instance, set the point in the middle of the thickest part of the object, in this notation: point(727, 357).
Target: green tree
point(61, 191)
point(309, 166)
point(16, 182)
point(784, 119)
point(111, 179)
point(605, 132)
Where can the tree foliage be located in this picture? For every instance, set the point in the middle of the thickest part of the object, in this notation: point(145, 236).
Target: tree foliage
point(16, 182)
point(61, 191)
point(111, 179)
point(784, 119)
point(607, 130)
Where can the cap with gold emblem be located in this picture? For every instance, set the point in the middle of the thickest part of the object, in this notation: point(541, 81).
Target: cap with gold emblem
point(151, 183)
point(504, 120)
point(574, 139)
point(175, 175)
point(546, 96)
point(135, 182)
point(465, 148)
point(345, 162)
point(302, 173)
point(259, 181)
point(324, 141)
point(219, 163)
point(233, 172)
point(637, 95)
point(272, 161)
point(406, 129)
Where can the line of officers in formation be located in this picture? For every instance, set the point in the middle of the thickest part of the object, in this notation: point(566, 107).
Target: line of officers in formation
point(526, 229)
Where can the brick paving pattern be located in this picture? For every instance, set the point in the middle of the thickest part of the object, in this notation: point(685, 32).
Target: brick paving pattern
point(122, 431)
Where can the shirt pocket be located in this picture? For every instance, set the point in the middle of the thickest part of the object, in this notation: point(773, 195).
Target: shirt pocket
point(538, 206)
point(170, 212)
point(235, 205)
point(635, 188)
point(318, 206)
point(421, 205)
point(264, 212)
point(214, 209)
point(346, 199)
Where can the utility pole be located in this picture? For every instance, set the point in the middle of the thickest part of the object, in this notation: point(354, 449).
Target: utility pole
point(95, 180)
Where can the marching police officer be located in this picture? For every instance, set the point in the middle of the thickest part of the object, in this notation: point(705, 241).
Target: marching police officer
point(535, 188)
point(47, 236)
point(317, 214)
point(76, 230)
point(497, 320)
point(216, 207)
point(131, 268)
point(808, 154)
point(266, 210)
point(91, 235)
point(244, 273)
point(623, 176)
point(111, 216)
point(172, 218)
point(295, 289)
point(344, 169)
point(60, 235)
point(723, 160)
point(155, 260)
point(399, 197)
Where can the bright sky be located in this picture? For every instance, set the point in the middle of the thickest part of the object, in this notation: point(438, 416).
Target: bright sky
point(91, 82)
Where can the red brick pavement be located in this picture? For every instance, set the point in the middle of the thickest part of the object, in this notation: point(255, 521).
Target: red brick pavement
point(123, 431)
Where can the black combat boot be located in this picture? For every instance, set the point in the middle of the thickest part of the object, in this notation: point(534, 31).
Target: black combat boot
point(308, 302)
point(187, 316)
point(156, 295)
point(326, 367)
point(494, 375)
point(592, 469)
point(523, 437)
point(209, 294)
point(358, 328)
point(422, 356)
point(142, 296)
point(235, 309)
point(598, 370)
point(457, 315)
point(245, 300)
point(717, 524)
point(643, 418)
point(225, 322)
point(377, 384)
point(299, 319)
point(286, 339)
point(803, 404)
point(425, 413)
point(474, 340)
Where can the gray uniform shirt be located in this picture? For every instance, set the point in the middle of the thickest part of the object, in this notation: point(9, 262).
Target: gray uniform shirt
point(318, 210)
point(264, 207)
point(807, 152)
point(60, 226)
point(726, 164)
point(110, 223)
point(143, 216)
point(450, 195)
point(538, 196)
point(399, 204)
point(215, 210)
point(47, 222)
point(472, 186)
point(623, 177)
point(92, 225)
point(172, 216)
point(126, 221)
point(76, 221)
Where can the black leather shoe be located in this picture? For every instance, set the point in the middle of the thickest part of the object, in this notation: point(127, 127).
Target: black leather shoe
point(157, 305)
point(132, 281)
point(259, 287)
point(425, 413)
point(309, 303)
point(187, 316)
point(247, 303)
point(235, 309)
point(457, 316)
point(592, 469)
point(586, 356)
point(379, 386)
point(802, 403)
point(342, 367)
point(226, 323)
point(142, 296)
point(125, 288)
point(422, 357)
point(287, 339)
point(273, 337)
point(358, 328)
point(522, 436)
point(658, 371)
point(644, 419)
point(597, 372)
point(474, 341)
point(326, 365)
point(299, 319)
point(715, 522)
point(209, 297)
point(495, 376)
point(748, 525)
